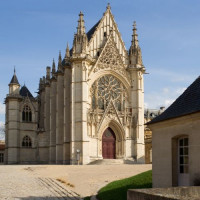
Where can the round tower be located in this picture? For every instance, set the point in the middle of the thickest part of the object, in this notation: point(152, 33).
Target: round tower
point(12, 121)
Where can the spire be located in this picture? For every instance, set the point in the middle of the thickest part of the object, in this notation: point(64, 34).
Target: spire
point(14, 85)
point(14, 79)
point(134, 41)
point(67, 54)
point(108, 6)
point(81, 25)
point(135, 54)
point(80, 39)
point(53, 67)
point(59, 62)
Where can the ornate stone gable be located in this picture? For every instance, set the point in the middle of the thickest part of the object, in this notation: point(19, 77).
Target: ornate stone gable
point(26, 101)
point(110, 59)
point(100, 33)
point(109, 114)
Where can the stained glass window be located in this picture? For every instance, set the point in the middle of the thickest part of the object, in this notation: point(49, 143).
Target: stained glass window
point(105, 89)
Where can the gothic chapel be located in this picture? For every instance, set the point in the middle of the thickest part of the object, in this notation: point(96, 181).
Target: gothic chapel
point(91, 107)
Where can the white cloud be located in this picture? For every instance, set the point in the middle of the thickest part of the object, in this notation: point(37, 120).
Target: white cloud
point(179, 91)
point(146, 105)
point(172, 76)
point(165, 90)
point(2, 108)
point(165, 97)
point(168, 102)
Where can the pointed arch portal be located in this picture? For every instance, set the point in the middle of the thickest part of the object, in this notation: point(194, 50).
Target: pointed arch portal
point(109, 144)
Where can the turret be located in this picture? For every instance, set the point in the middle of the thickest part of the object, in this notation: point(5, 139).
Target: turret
point(135, 54)
point(48, 72)
point(53, 71)
point(12, 121)
point(80, 38)
point(81, 25)
point(14, 85)
point(60, 66)
point(67, 54)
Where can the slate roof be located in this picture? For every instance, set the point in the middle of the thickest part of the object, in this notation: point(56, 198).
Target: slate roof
point(187, 103)
point(14, 80)
point(92, 30)
point(25, 92)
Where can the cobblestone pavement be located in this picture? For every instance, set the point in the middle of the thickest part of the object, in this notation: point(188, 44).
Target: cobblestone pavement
point(63, 182)
point(21, 182)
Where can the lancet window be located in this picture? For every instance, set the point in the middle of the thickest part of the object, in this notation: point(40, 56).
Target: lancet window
point(106, 89)
point(26, 142)
point(26, 114)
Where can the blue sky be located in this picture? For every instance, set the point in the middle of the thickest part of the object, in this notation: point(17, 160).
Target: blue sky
point(33, 32)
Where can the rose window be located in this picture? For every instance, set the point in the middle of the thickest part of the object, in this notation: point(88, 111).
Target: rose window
point(105, 89)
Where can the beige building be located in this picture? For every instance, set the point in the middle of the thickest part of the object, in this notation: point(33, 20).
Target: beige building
point(89, 107)
point(176, 141)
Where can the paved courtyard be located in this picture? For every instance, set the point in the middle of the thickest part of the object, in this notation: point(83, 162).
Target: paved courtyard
point(60, 181)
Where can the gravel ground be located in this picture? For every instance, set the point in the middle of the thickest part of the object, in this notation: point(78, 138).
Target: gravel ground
point(60, 181)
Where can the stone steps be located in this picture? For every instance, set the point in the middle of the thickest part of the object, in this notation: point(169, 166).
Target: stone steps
point(59, 190)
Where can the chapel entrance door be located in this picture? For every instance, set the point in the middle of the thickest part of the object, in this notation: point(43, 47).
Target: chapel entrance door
point(108, 144)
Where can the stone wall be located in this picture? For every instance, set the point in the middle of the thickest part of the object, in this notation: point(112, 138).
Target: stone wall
point(173, 193)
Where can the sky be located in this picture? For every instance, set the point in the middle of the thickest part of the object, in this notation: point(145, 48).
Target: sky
point(32, 32)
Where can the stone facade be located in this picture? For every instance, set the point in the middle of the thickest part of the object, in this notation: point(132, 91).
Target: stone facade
point(97, 86)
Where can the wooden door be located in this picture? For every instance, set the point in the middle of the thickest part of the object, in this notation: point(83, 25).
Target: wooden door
point(108, 144)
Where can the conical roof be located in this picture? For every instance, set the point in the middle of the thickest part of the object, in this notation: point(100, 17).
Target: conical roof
point(187, 103)
point(24, 91)
point(14, 79)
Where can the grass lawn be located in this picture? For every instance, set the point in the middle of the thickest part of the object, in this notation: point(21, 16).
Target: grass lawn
point(117, 190)
point(87, 198)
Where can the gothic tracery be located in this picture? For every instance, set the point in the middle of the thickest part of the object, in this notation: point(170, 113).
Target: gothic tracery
point(110, 58)
point(105, 89)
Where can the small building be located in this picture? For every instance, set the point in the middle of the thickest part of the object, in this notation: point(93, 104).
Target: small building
point(176, 141)
point(2, 150)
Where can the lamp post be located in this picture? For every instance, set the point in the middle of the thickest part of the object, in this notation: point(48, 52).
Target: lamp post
point(78, 155)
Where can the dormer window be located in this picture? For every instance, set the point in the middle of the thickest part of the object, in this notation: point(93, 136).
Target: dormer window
point(26, 114)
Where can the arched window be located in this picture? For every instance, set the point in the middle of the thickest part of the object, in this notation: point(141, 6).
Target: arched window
point(26, 142)
point(26, 114)
point(105, 89)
